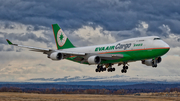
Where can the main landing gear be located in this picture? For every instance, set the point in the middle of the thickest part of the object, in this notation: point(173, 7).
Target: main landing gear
point(125, 68)
point(110, 69)
point(100, 68)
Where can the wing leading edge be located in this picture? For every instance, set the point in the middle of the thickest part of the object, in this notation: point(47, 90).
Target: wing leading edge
point(45, 51)
point(69, 53)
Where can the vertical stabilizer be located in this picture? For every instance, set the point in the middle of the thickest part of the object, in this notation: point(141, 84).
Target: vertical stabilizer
point(62, 42)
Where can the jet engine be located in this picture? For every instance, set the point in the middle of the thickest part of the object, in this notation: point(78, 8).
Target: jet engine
point(151, 62)
point(148, 62)
point(159, 59)
point(56, 56)
point(94, 60)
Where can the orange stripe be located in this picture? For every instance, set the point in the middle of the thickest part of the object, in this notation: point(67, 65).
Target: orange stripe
point(72, 56)
point(54, 36)
point(134, 50)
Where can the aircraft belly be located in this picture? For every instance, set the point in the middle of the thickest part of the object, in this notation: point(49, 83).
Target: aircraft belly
point(128, 55)
point(138, 55)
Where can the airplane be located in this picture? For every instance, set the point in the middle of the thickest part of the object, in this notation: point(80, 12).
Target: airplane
point(148, 50)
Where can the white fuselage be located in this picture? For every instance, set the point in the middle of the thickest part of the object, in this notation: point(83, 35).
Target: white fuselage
point(128, 44)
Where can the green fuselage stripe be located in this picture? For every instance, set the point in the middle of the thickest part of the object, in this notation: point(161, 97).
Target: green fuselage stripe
point(133, 55)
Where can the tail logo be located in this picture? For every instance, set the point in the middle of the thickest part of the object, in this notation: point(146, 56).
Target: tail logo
point(61, 38)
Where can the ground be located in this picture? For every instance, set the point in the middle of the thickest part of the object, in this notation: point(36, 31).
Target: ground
point(86, 97)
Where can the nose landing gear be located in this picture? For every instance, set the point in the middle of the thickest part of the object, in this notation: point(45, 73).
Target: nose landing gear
point(154, 63)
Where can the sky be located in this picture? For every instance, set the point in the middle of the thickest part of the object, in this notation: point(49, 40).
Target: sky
point(85, 22)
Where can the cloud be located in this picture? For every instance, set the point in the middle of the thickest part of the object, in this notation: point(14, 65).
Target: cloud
point(87, 35)
point(20, 32)
point(26, 37)
point(94, 36)
point(2, 40)
point(111, 15)
point(85, 22)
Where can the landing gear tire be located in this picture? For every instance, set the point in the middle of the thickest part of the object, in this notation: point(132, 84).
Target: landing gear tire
point(100, 68)
point(96, 70)
point(111, 69)
point(123, 70)
point(155, 65)
point(125, 67)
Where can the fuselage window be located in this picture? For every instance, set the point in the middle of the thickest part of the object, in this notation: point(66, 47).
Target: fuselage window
point(157, 38)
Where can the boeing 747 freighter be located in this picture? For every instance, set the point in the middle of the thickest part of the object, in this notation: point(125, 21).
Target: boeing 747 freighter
point(146, 49)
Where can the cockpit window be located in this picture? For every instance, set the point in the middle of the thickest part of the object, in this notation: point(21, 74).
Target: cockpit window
point(157, 38)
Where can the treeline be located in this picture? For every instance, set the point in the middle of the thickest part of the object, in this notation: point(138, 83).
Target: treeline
point(83, 91)
point(65, 91)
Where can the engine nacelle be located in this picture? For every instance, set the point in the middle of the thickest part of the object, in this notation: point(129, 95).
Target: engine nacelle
point(150, 62)
point(56, 56)
point(94, 60)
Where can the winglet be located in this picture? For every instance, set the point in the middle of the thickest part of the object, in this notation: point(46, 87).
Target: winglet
point(9, 42)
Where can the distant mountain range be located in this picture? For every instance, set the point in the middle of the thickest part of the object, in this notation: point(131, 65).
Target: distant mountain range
point(135, 84)
point(112, 80)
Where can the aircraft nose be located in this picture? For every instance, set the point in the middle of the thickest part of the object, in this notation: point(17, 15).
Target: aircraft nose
point(165, 45)
point(161, 43)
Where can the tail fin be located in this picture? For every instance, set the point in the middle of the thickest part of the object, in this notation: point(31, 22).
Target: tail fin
point(62, 42)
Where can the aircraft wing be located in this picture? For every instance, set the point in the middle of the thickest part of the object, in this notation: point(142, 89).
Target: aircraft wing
point(45, 51)
point(49, 51)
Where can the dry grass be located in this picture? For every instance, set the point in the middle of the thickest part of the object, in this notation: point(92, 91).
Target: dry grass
point(84, 97)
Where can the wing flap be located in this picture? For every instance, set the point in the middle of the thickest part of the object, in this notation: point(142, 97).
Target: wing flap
point(110, 56)
point(73, 53)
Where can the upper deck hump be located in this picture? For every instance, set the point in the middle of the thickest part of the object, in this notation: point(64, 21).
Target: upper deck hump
point(122, 41)
point(138, 38)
